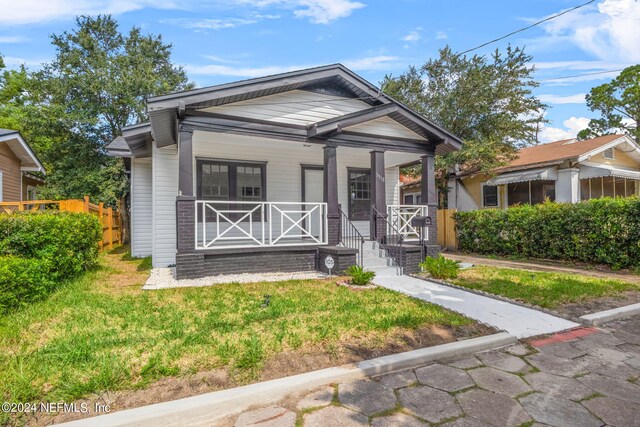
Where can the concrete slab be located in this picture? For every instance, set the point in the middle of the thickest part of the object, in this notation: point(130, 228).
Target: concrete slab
point(272, 416)
point(337, 416)
point(444, 377)
point(499, 381)
point(367, 397)
point(517, 320)
point(491, 408)
point(555, 411)
point(429, 404)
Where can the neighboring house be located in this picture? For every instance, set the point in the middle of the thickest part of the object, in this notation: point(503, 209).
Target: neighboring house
point(410, 190)
point(273, 173)
point(561, 171)
point(17, 164)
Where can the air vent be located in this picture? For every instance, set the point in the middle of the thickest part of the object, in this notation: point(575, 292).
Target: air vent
point(608, 153)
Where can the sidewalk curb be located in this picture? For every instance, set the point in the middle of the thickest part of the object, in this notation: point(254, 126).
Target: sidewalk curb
point(597, 319)
point(208, 408)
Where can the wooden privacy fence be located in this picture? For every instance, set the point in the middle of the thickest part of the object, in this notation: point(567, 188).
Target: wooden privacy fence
point(110, 219)
point(446, 229)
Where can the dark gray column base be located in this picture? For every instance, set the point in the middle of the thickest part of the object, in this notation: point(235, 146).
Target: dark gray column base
point(189, 265)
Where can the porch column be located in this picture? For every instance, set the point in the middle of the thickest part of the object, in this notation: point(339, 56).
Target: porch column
point(429, 195)
point(189, 263)
point(330, 195)
point(568, 186)
point(378, 196)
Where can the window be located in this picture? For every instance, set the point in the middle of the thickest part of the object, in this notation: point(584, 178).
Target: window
point(231, 181)
point(418, 199)
point(408, 199)
point(359, 194)
point(219, 180)
point(608, 153)
point(490, 196)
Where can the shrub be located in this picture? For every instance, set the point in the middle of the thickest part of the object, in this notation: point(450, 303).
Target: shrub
point(22, 280)
point(68, 240)
point(40, 250)
point(440, 267)
point(600, 231)
point(359, 276)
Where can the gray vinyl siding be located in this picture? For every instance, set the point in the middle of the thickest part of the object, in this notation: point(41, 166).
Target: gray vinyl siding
point(141, 207)
point(165, 191)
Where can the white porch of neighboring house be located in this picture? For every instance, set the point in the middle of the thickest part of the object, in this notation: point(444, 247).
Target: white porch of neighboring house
point(605, 167)
point(272, 173)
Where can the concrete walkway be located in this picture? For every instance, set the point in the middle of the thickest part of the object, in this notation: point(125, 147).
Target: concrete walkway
point(519, 321)
point(541, 266)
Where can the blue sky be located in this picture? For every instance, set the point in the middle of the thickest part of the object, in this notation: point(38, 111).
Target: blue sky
point(219, 41)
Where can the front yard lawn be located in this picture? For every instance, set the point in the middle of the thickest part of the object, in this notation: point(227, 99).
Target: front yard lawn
point(103, 333)
point(571, 294)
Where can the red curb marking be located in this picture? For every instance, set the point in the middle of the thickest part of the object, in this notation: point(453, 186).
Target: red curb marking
point(564, 336)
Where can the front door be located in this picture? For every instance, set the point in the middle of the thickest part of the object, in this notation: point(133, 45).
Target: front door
point(313, 192)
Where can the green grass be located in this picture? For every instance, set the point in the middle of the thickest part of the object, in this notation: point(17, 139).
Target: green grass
point(102, 332)
point(548, 290)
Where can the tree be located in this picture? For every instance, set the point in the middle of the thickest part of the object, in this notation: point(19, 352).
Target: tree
point(486, 101)
point(619, 105)
point(96, 85)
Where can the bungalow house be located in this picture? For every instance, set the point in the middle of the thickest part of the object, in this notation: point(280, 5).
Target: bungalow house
point(561, 171)
point(17, 164)
point(279, 173)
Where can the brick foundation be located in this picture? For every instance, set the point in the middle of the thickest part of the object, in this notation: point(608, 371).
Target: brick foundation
point(343, 258)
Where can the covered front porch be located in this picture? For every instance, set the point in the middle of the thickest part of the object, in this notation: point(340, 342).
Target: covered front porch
point(249, 198)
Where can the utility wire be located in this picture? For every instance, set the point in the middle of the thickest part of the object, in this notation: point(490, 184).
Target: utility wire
point(581, 75)
point(526, 28)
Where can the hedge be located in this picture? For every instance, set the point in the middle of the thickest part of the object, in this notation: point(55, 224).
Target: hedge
point(40, 250)
point(599, 231)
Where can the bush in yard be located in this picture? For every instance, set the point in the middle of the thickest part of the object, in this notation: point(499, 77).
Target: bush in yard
point(23, 280)
point(359, 276)
point(38, 250)
point(440, 267)
point(600, 231)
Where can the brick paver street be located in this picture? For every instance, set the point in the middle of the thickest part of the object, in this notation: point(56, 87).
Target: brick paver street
point(587, 377)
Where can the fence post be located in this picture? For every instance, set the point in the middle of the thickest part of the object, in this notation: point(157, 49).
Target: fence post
point(110, 225)
point(101, 219)
point(86, 204)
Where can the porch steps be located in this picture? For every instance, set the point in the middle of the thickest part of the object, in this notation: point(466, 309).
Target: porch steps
point(374, 259)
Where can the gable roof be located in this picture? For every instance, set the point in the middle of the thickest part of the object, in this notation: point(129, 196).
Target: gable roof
point(559, 151)
point(17, 144)
point(336, 79)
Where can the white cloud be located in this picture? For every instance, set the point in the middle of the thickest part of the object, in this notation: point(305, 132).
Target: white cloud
point(578, 98)
point(608, 31)
point(13, 39)
point(441, 35)
point(572, 126)
point(318, 11)
point(37, 11)
point(213, 24)
point(413, 36)
point(380, 62)
point(15, 62)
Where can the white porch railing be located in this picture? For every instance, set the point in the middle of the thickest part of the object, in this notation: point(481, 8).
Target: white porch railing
point(238, 224)
point(401, 216)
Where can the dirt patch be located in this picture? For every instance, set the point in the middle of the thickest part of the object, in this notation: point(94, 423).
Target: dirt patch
point(282, 365)
point(600, 304)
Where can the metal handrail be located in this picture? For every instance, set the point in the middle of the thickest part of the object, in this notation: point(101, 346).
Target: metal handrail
point(393, 237)
point(350, 237)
